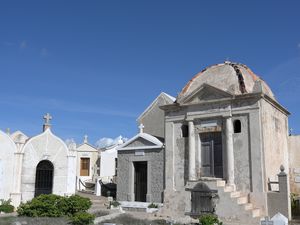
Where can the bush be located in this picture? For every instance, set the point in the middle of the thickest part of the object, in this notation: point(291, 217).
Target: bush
point(41, 206)
point(82, 218)
point(152, 205)
point(209, 219)
point(74, 207)
point(6, 207)
point(73, 204)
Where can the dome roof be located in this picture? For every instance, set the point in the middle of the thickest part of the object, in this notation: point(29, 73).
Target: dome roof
point(234, 78)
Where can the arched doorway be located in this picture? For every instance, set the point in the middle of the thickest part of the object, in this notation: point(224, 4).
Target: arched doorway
point(44, 178)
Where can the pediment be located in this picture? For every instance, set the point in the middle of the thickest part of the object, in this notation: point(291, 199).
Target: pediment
point(206, 93)
point(141, 141)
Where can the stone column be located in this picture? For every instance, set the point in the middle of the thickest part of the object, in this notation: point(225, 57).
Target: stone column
point(229, 149)
point(192, 152)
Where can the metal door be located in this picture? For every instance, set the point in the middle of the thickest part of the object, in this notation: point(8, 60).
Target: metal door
point(44, 178)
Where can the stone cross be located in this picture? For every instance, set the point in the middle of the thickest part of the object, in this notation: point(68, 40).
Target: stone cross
point(47, 118)
point(141, 127)
point(266, 221)
point(85, 139)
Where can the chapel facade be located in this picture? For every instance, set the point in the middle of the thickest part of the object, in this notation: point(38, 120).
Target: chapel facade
point(42, 164)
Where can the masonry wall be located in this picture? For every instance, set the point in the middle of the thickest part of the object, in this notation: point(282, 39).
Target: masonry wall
point(275, 143)
point(294, 163)
point(155, 170)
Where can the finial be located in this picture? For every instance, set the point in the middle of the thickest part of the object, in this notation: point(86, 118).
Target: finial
point(47, 119)
point(85, 140)
point(141, 127)
point(282, 168)
point(8, 131)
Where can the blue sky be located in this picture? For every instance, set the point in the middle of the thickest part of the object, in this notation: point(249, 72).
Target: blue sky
point(96, 65)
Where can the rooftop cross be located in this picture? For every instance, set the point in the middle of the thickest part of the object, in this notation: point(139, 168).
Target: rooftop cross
point(47, 118)
point(141, 127)
point(85, 139)
point(266, 221)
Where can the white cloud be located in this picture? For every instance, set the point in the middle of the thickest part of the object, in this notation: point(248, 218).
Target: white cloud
point(71, 144)
point(106, 142)
point(44, 52)
point(23, 44)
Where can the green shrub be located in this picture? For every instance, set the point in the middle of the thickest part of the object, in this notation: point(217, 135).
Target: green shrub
point(209, 219)
point(82, 218)
point(5, 206)
point(152, 205)
point(73, 204)
point(74, 207)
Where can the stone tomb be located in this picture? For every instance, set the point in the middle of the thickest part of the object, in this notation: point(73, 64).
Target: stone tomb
point(141, 169)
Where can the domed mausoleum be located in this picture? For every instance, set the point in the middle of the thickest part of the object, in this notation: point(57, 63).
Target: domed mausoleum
point(226, 132)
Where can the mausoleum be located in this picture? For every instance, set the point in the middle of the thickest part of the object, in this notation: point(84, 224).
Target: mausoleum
point(226, 137)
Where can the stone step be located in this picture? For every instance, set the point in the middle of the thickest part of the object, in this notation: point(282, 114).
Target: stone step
point(256, 213)
point(242, 200)
point(249, 206)
point(228, 188)
point(235, 194)
point(221, 183)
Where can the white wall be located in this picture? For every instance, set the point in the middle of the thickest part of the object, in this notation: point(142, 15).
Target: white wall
point(107, 164)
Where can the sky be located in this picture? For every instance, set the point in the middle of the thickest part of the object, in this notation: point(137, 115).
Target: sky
point(96, 65)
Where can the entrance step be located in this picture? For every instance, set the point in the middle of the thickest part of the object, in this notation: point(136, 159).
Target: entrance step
point(235, 194)
point(228, 188)
point(221, 183)
point(249, 206)
point(242, 200)
point(256, 213)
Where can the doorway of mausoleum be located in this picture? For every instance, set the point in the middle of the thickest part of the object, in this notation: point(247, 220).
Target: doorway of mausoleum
point(140, 181)
point(44, 178)
point(211, 154)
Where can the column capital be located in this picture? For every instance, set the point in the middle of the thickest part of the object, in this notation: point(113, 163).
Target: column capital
point(227, 116)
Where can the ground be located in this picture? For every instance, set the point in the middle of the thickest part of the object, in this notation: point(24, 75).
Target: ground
point(99, 208)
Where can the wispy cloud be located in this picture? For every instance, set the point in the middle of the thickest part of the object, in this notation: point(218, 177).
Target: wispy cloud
point(23, 44)
point(44, 52)
point(55, 104)
point(298, 45)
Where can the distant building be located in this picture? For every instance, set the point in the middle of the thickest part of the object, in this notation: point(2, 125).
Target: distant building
point(88, 165)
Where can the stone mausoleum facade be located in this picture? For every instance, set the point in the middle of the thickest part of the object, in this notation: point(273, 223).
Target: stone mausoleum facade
point(141, 165)
point(226, 137)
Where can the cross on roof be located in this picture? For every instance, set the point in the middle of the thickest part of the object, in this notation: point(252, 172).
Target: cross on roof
point(47, 118)
point(85, 139)
point(266, 221)
point(141, 127)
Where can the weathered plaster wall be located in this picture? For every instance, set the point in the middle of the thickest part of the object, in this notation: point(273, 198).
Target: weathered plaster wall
point(155, 170)
point(294, 163)
point(275, 135)
point(241, 154)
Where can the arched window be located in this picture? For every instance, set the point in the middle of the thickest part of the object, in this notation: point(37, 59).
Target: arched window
point(237, 126)
point(185, 130)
